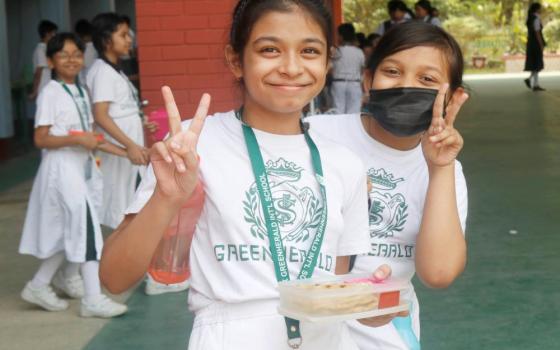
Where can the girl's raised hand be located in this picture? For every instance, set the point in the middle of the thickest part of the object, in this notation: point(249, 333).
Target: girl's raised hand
point(175, 160)
point(442, 142)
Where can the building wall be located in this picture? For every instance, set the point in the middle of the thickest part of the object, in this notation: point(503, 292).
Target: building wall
point(181, 44)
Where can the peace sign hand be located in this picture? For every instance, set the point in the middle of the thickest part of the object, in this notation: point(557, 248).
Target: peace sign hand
point(175, 160)
point(442, 142)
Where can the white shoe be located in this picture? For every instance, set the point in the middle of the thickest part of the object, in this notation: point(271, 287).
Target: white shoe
point(154, 288)
point(71, 286)
point(102, 307)
point(45, 297)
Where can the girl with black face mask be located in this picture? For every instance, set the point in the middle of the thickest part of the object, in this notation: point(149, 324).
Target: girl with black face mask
point(407, 140)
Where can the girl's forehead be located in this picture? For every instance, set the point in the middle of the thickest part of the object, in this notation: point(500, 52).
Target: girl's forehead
point(69, 46)
point(421, 56)
point(291, 25)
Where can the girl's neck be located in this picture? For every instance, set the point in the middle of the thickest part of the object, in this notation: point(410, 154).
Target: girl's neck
point(67, 79)
point(376, 132)
point(260, 118)
point(112, 57)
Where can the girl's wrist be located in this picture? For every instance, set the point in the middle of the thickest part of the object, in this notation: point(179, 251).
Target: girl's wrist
point(167, 201)
point(436, 170)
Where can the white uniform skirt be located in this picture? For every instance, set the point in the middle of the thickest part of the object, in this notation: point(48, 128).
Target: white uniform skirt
point(120, 176)
point(257, 325)
point(56, 218)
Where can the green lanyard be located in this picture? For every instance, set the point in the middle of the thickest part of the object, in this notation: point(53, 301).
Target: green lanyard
point(134, 93)
point(275, 238)
point(83, 119)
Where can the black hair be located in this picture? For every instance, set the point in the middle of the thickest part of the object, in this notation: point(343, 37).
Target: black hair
point(417, 33)
point(83, 28)
point(347, 32)
point(247, 13)
point(45, 27)
point(126, 19)
point(56, 43)
point(535, 6)
point(103, 26)
point(397, 5)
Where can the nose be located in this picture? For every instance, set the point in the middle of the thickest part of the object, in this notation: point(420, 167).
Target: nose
point(291, 65)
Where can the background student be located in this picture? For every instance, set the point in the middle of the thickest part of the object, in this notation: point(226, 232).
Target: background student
point(41, 70)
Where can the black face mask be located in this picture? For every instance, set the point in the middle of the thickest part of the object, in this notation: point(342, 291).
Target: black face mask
point(402, 111)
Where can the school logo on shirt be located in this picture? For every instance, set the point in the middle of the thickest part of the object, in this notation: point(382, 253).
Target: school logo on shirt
point(298, 210)
point(388, 212)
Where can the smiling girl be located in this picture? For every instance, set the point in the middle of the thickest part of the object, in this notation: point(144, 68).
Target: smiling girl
point(116, 109)
point(280, 201)
point(62, 221)
point(406, 138)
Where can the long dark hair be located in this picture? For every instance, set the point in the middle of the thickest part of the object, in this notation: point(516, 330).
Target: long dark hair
point(417, 33)
point(533, 8)
point(102, 27)
point(248, 12)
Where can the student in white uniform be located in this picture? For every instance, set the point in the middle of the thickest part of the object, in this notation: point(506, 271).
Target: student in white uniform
point(418, 192)
point(398, 13)
point(61, 220)
point(117, 112)
point(255, 157)
point(348, 66)
point(83, 29)
point(41, 71)
point(425, 12)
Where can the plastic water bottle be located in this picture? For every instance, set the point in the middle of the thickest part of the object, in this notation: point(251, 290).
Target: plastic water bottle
point(160, 118)
point(170, 262)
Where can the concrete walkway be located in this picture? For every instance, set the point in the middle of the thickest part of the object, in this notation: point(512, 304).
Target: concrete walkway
point(508, 298)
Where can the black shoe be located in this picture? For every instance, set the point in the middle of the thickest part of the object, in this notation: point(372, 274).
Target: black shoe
point(528, 83)
point(538, 88)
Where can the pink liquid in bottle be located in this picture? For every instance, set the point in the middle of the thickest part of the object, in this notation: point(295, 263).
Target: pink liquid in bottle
point(170, 262)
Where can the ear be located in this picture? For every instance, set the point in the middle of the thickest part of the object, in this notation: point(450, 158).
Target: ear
point(234, 62)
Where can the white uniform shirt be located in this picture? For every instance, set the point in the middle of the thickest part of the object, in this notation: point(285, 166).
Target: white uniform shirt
point(537, 24)
point(230, 259)
point(40, 61)
point(432, 20)
point(348, 63)
point(107, 85)
point(56, 108)
point(399, 184)
point(400, 181)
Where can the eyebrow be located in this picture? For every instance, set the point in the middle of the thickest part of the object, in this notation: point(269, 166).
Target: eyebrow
point(427, 67)
point(277, 40)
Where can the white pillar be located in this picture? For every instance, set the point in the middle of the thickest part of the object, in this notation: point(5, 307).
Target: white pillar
point(6, 117)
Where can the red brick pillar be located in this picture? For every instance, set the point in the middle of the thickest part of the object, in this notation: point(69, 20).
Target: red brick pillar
point(181, 44)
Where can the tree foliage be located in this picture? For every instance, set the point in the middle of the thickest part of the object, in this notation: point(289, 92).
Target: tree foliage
point(483, 27)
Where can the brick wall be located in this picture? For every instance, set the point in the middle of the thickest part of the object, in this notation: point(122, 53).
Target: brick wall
point(181, 44)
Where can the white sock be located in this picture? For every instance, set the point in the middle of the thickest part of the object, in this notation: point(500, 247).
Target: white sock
point(46, 271)
point(534, 79)
point(71, 269)
point(92, 286)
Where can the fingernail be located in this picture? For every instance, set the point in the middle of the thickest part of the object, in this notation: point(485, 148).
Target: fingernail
point(378, 275)
point(168, 159)
point(181, 168)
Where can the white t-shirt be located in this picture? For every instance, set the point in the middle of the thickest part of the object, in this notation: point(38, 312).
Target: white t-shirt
point(348, 63)
point(399, 183)
point(230, 258)
point(56, 108)
point(40, 61)
point(105, 84)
